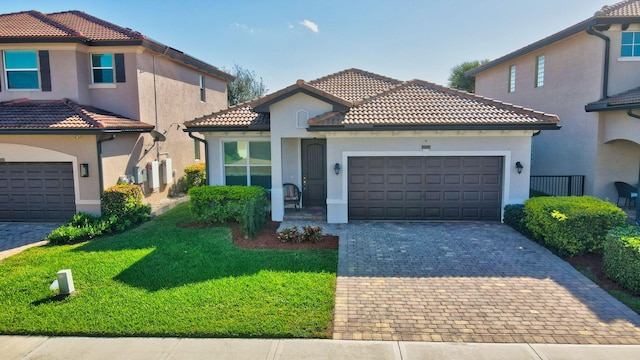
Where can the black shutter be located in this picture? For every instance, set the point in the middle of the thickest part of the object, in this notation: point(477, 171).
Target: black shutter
point(45, 70)
point(120, 73)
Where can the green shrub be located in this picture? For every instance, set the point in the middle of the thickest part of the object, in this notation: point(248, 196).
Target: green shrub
point(125, 202)
point(194, 176)
point(81, 227)
point(247, 205)
point(571, 225)
point(514, 217)
point(122, 208)
point(290, 234)
point(621, 258)
point(308, 233)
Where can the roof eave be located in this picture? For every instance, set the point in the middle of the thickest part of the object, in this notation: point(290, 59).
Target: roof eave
point(597, 107)
point(572, 30)
point(435, 127)
point(19, 131)
point(203, 129)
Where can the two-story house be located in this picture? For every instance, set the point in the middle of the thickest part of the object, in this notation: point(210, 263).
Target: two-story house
point(589, 75)
point(85, 103)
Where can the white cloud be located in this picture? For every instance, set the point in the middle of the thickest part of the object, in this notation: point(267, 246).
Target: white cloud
point(290, 26)
point(310, 25)
point(243, 27)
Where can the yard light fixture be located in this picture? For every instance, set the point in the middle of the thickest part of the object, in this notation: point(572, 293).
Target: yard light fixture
point(84, 170)
point(519, 167)
point(336, 168)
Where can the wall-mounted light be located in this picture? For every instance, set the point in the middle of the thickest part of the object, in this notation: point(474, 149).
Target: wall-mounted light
point(519, 167)
point(336, 168)
point(84, 170)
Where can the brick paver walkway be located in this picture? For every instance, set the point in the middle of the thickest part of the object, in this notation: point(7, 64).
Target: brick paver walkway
point(467, 282)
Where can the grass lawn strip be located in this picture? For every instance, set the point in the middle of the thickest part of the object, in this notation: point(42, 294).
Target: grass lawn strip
point(162, 280)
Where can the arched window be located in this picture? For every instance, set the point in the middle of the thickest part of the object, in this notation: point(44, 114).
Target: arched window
point(302, 117)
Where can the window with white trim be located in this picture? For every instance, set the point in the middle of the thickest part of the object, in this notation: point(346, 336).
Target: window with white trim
point(630, 45)
point(102, 70)
point(540, 71)
point(21, 70)
point(247, 163)
point(512, 78)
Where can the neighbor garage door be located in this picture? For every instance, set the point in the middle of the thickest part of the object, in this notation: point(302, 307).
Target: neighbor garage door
point(425, 188)
point(36, 191)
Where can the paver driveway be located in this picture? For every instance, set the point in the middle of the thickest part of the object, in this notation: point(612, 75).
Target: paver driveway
point(471, 282)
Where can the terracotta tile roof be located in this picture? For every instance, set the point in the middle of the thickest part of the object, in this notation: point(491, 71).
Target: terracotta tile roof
point(238, 116)
point(628, 8)
point(618, 13)
point(25, 114)
point(413, 103)
point(69, 24)
point(419, 102)
point(354, 84)
point(627, 99)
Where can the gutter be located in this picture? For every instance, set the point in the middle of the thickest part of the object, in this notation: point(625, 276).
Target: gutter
point(99, 144)
point(630, 113)
point(607, 50)
point(206, 155)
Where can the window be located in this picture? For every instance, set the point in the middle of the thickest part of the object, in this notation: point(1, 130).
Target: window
point(512, 78)
point(102, 68)
point(630, 46)
point(247, 163)
point(203, 93)
point(21, 70)
point(196, 149)
point(540, 71)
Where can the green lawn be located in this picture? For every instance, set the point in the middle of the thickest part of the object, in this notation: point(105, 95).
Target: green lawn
point(162, 280)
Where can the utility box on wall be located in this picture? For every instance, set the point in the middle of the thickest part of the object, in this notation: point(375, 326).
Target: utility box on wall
point(139, 174)
point(153, 175)
point(166, 171)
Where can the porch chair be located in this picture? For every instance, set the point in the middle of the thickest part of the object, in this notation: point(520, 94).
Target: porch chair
point(291, 195)
point(627, 192)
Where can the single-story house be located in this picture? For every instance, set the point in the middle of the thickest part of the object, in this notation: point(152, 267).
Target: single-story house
point(368, 147)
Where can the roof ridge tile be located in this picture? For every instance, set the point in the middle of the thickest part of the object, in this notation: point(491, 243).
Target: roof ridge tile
point(125, 31)
point(47, 20)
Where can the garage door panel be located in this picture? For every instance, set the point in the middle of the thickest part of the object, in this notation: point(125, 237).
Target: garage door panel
point(36, 191)
point(430, 188)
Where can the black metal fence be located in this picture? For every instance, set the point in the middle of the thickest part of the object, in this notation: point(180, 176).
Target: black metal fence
point(560, 185)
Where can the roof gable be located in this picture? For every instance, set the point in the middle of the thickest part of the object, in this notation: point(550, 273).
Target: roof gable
point(262, 104)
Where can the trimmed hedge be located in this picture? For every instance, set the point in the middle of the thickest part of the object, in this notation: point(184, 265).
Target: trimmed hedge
point(571, 225)
point(194, 176)
point(621, 258)
point(220, 204)
point(514, 217)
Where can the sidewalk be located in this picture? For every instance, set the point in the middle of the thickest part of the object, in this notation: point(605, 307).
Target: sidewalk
point(34, 347)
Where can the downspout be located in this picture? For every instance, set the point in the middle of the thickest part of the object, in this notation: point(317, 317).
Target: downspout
point(99, 142)
point(630, 113)
point(206, 155)
point(607, 47)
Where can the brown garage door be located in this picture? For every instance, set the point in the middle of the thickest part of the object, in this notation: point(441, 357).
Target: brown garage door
point(425, 188)
point(36, 191)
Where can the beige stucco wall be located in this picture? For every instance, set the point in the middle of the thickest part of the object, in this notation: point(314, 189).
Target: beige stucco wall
point(76, 149)
point(624, 73)
point(573, 78)
point(177, 89)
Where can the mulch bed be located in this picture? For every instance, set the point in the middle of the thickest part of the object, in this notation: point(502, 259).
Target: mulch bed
point(267, 238)
point(594, 263)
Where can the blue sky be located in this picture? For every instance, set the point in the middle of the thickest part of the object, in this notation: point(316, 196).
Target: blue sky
point(285, 40)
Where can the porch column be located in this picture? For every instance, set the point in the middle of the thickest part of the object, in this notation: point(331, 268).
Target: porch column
point(277, 197)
